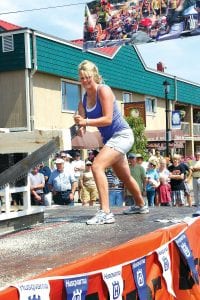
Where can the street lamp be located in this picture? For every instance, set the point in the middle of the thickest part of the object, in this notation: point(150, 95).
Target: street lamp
point(166, 85)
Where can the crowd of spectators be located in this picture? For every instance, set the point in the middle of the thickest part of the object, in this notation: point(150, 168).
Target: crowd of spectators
point(163, 182)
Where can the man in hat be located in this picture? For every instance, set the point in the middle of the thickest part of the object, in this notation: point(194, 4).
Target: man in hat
point(62, 184)
point(140, 160)
point(139, 174)
point(67, 161)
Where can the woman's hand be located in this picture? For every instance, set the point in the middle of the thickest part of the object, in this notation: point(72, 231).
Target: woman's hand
point(79, 120)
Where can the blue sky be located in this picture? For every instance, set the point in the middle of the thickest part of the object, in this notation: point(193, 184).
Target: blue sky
point(180, 57)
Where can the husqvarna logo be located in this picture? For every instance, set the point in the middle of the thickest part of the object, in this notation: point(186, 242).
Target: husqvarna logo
point(165, 263)
point(140, 277)
point(77, 294)
point(185, 249)
point(34, 298)
point(116, 289)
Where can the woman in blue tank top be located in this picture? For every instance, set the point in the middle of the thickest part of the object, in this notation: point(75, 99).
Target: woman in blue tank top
point(100, 109)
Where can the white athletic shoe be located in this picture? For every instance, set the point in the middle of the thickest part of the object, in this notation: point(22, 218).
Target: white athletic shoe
point(197, 213)
point(101, 218)
point(136, 210)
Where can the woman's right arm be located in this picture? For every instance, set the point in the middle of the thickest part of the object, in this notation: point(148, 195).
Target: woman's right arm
point(81, 110)
point(80, 113)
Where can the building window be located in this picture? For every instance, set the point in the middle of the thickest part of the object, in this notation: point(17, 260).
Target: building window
point(7, 43)
point(127, 97)
point(150, 105)
point(71, 95)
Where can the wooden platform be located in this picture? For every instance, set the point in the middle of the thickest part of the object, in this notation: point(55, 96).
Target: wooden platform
point(64, 237)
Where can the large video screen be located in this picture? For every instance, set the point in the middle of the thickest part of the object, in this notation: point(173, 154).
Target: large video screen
point(109, 23)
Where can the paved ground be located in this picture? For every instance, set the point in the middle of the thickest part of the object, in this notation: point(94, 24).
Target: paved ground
point(64, 237)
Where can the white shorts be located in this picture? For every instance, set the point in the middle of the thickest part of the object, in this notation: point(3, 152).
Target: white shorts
point(121, 141)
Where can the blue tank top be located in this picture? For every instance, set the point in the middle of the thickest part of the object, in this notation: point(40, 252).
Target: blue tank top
point(118, 122)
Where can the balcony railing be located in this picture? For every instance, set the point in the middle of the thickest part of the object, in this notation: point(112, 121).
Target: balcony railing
point(185, 127)
point(196, 129)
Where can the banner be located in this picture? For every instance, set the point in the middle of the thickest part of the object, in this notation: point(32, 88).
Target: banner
point(165, 260)
point(114, 282)
point(176, 119)
point(139, 273)
point(76, 288)
point(31, 290)
point(108, 23)
point(184, 247)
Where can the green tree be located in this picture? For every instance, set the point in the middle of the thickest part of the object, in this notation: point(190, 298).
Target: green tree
point(140, 140)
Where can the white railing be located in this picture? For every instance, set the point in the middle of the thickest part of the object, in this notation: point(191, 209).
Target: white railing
point(7, 212)
point(196, 129)
point(185, 127)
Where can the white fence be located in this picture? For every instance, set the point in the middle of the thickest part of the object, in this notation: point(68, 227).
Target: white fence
point(8, 212)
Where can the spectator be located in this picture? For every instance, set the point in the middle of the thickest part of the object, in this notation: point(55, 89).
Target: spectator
point(195, 167)
point(177, 175)
point(92, 154)
point(67, 161)
point(187, 179)
point(163, 191)
point(138, 173)
point(53, 159)
point(62, 184)
point(78, 166)
point(115, 188)
point(162, 172)
point(158, 155)
point(46, 171)
point(89, 192)
point(152, 181)
point(140, 161)
point(37, 183)
point(162, 169)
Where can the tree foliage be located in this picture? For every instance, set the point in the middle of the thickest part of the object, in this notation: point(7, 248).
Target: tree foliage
point(140, 140)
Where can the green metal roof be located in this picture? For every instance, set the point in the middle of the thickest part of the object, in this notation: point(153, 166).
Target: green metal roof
point(124, 71)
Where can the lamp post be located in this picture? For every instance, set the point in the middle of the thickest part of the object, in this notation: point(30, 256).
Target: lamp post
point(166, 85)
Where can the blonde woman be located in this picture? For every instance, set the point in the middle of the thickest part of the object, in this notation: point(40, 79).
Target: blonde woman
point(99, 109)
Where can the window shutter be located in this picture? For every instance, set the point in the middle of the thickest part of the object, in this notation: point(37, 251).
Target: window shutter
point(7, 43)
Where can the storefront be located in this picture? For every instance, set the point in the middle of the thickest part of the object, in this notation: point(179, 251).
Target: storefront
point(157, 141)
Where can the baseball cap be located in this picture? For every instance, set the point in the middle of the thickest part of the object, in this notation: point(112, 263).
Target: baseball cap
point(59, 161)
point(77, 154)
point(138, 155)
point(88, 163)
point(131, 155)
point(153, 162)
